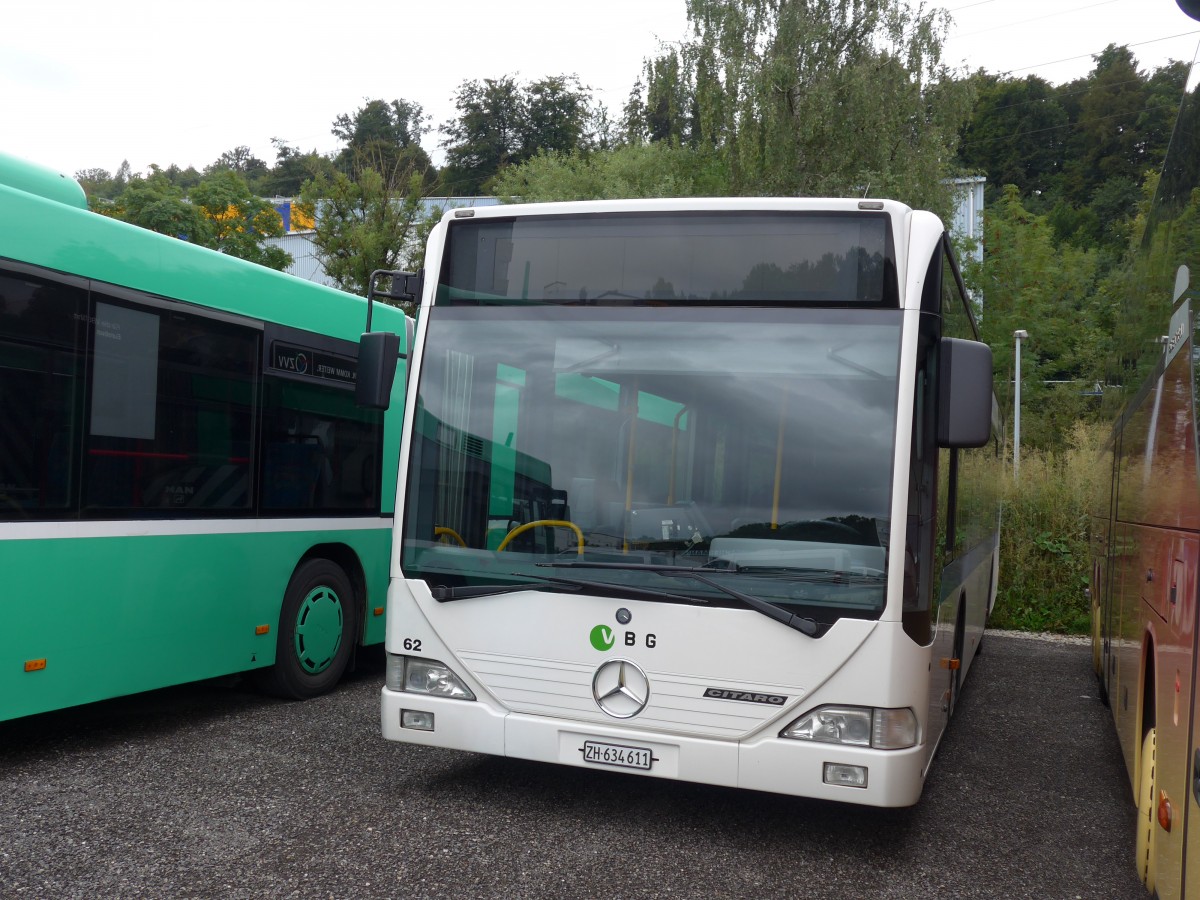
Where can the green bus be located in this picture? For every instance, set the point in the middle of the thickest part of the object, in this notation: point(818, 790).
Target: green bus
point(188, 488)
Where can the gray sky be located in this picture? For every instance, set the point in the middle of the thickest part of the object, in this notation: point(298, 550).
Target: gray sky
point(88, 84)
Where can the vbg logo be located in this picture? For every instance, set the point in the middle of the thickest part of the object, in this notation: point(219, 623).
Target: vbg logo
point(602, 638)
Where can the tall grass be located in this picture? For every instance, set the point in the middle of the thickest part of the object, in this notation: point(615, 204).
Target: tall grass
point(1044, 536)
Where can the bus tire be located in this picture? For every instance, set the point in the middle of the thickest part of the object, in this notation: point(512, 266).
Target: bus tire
point(317, 627)
point(1146, 819)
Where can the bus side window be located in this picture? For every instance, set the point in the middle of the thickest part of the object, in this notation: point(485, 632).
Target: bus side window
point(320, 449)
point(170, 411)
point(43, 324)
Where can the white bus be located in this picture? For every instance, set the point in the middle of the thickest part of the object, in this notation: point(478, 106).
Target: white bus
point(657, 457)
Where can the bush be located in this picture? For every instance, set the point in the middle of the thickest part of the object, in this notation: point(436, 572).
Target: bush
point(1044, 537)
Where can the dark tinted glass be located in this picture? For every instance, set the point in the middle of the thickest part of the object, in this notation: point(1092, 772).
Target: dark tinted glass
point(42, 335)
point(320, 450)
point(661, 259)
point(170, 414)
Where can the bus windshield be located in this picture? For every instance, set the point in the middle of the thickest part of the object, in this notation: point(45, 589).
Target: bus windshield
point(622, 439)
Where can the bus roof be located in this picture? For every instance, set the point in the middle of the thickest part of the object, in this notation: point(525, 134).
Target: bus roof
point(685, 204)
point(48, 233)
point(41, 181)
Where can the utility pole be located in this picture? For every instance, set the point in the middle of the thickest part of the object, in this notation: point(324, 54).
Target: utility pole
point(1020, 334)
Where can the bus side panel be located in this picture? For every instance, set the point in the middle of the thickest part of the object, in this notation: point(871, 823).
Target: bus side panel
point(1124, 649)
point(1191, 804)
point(1154, 585)
point(1175, 700)
point(114, 636)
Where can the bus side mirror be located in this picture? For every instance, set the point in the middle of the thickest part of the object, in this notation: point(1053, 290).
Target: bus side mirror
point(965, 393)
point(378, 352)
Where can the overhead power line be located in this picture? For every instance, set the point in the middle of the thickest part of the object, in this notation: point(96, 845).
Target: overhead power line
point(1009, 137)
point(1101, 50)
point(970, 5)
point(1061, 12)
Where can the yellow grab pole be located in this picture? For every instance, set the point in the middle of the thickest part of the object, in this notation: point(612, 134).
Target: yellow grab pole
point(778, 463)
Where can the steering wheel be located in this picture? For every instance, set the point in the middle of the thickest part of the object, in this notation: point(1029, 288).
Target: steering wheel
point(549, 523)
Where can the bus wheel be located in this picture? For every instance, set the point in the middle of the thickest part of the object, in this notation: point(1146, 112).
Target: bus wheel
point(317, 628)
point(1146, 824)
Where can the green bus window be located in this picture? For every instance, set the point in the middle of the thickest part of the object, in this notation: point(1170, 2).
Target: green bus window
point(170, 424)
point(42, 335)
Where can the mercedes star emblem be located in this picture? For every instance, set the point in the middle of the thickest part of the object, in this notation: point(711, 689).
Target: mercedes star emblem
point(621, 688)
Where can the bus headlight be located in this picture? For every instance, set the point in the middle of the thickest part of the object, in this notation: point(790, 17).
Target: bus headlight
point(856, 726)
point(424, 676)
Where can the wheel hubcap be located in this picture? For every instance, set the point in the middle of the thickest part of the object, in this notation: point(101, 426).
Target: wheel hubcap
point(318, 629)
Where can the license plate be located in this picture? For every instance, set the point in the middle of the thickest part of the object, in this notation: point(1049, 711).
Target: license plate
point(617, 755)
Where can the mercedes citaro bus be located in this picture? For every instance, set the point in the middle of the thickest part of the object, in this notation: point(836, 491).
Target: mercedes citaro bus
point(694, 489)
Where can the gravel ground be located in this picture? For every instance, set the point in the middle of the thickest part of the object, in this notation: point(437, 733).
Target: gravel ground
point(211, 791)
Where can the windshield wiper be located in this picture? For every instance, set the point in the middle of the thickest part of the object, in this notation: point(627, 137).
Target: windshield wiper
point(632, 591)
point(791, 620)
point(443, 594)
point(831, 575)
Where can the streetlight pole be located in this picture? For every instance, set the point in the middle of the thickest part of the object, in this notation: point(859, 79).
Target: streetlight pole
point(1020, 334)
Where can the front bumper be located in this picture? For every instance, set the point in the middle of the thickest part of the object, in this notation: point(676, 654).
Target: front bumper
point(764, 763)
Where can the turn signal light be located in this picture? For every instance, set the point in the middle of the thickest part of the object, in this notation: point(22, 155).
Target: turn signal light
point(34, 665)
point(262, 629)
point(1164, 811)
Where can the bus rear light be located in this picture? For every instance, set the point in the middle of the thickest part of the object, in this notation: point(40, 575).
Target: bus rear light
point(34, 665)
point(856, 726)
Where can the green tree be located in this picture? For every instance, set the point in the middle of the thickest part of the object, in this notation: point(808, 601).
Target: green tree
point(240, 160)
point(486, 137)
point(503, 123)
point(182, 178)
point(670, 112)
point(1028, 282)
point(658, 169)
point(827, 97)
point(123, 177)
point(383, 136)
point(238, 222)
point(363, 224)
point(1121, 125)
point(556, 116)
point(158, 205)
point(292, 168)
point(97, 184)
point(1016, 134)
